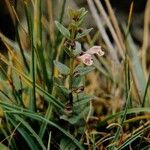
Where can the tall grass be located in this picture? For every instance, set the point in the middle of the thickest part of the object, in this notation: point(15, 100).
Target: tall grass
point(44, 107)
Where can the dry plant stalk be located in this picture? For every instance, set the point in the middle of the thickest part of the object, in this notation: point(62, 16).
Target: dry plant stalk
point(146, 37)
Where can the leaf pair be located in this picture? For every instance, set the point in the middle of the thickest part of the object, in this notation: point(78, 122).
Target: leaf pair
point(65, 32)
point(79, 70)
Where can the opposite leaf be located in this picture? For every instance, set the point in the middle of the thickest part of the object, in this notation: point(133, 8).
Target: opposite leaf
point(64, 31)
point(63, 69)
point(84, 33)
point(80, 70)
point(78, 49)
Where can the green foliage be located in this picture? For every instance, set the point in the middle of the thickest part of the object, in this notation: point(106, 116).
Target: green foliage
point(80, 70)
point(66, 144)
point(50, 100)
point(64, 31)
point(63, 69)
point(3, 147)
point(84, 33)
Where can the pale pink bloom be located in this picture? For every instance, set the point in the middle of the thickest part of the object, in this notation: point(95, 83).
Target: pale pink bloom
point(86, 59)
point(95, 50)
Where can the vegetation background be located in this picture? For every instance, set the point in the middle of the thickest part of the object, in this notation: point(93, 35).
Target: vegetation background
point(50, 100)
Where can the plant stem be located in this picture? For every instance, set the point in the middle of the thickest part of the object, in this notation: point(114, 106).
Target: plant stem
point(71, 72)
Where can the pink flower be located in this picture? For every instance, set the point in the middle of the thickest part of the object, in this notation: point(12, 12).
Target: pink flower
point(86, 58)
point(95, 50)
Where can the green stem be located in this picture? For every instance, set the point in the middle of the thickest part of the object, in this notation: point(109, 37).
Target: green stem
point(71, 73)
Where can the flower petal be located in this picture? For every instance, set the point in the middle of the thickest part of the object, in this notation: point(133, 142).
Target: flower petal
point(86, 59)
point(95, 50)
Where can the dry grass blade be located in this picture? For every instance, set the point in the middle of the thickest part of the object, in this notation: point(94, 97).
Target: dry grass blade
point(146, 37)
point(9, 6)
point(102, 30)
point(130, 17)
point(51, 21)
point(108, 23)
point(115, 23)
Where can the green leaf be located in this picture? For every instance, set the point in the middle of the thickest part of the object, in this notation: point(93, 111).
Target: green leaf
point(129, 141)
point(30, 129)
point(146, 147)
point(58, 81)
point(82, 99)
point(74, 119)
point(63, 69)
point(77, 81)
point(83, 13)
point(49, 140)
point(29, 139)
point(84, 33)
point(64, 31)
point(3, 147)
point(18, 110)
point(129, 111)
point(78, 49)
point(61, 91)
point(80, 70)
point(136, 67)
point(68, 51)
point(67, 144)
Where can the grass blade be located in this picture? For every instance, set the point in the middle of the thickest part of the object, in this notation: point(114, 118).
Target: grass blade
point(38, 117)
